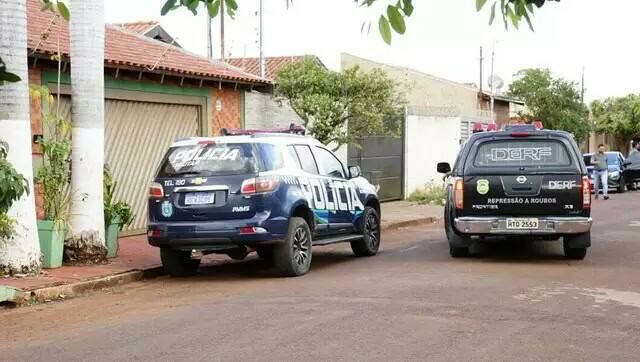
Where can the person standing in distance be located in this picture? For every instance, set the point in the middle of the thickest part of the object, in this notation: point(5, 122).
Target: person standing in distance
point(601, 172)
point(635, 148)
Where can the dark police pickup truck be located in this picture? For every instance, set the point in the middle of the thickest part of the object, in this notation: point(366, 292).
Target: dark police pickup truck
point(521, 181)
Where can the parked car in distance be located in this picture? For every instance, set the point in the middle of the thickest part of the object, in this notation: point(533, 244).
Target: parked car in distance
point(624, 174)
point(279, 195)
point(522, 182)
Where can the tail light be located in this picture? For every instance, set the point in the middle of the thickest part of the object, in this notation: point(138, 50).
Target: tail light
point(458, 193)
point(259, 185)
point(252, 230)
point(586, 193)
point(156, 191)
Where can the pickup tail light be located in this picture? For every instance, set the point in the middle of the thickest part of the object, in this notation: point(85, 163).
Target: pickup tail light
point(458, 193)
point(156, 191)
point(586, 192)
point(259, 185)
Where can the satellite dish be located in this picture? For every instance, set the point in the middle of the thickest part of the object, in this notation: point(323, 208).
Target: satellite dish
point(496, 82)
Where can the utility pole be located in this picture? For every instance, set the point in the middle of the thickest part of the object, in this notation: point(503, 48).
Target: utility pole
point(209, 40)
point(582, 88)
point(262, 65)
point(492, 80)
point(222, 30)
point(481, 60)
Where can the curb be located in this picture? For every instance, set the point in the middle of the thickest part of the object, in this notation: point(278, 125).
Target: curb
point(17, 297)
point(415, 222)
point(46, 294)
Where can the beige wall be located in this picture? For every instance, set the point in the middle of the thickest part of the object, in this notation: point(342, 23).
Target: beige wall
point(423, 90)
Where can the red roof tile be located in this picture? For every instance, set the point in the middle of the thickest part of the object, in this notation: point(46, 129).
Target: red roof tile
point(126, 48)
point(140, 27)
point(272, 64)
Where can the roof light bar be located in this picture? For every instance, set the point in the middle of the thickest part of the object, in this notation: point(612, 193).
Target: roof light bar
point(292, 129)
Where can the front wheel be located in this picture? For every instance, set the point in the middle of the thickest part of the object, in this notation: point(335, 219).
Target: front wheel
point(370, 242)
point(623, 186)
point(293, 257)
point(178, 263)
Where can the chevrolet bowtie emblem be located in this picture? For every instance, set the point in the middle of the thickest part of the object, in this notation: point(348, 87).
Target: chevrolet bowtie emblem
point(198, 181)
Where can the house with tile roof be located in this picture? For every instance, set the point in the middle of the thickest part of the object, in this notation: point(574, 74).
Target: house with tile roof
point(272, 64)
point(262, 110)
point(155, 92)
point(151, 29)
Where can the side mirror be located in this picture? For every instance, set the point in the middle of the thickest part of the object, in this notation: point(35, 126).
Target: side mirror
point(444, 167)
point(354, 171)
point(626, 164)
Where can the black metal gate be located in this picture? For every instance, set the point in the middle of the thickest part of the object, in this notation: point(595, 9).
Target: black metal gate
point(381, 159)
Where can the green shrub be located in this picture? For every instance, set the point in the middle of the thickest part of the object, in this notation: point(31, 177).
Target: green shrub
point(12, 186)
point(430, 194)
point(120, 211)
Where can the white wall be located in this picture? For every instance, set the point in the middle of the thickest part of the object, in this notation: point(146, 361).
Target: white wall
point(429, 140)
point(262, 111)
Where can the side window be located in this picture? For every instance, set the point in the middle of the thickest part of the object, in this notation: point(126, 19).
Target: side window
point(330, 165)
point(305, 157)
point(294, 156)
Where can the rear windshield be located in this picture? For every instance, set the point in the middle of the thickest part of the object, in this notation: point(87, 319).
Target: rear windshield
point(219, 159)
point(522, 153)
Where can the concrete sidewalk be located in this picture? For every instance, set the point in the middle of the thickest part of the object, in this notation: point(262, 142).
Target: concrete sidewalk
point(137, 260)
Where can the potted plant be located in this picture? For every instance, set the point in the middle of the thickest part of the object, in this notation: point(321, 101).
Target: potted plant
point(53, 180)
point(117, 215)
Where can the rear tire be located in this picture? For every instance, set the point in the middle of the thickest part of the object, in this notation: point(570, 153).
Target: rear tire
point(293, 257)
point(458, 252)
point(575, 247)
point(575, 253)
point(178, 263)
point(370, 242)
point(623, 186)
point(458, 245)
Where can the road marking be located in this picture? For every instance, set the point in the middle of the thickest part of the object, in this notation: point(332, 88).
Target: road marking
point(601, 296)
point(408, 249)
point(635, 224)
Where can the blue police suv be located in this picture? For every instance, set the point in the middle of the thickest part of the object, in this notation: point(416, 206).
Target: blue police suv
point(277, 194)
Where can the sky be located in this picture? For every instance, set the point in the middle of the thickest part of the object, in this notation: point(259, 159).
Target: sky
point(443, 38)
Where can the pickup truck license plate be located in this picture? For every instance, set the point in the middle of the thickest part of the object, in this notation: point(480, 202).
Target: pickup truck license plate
point(199, 198)
point(522, 224)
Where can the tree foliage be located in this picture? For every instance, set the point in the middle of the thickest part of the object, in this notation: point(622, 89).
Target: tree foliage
point(393, 18)
point(12, 186)
point(619, 116)
point(555, 101)
point(327, 101)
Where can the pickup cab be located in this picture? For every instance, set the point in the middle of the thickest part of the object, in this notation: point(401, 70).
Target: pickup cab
point(521, 181)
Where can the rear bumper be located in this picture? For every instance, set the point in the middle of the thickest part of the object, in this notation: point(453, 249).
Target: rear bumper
point(217, 235)
point(547, 226)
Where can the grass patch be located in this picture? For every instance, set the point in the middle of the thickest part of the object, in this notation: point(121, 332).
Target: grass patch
point(430, 194)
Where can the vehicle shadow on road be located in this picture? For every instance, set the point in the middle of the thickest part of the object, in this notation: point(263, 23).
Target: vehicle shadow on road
point(254, 267)
point(518, 251)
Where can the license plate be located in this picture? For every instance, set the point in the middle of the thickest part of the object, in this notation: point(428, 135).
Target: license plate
point(522, 224)
point(199, 198)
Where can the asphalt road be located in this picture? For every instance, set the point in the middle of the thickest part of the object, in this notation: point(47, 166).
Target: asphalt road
point(411, 302)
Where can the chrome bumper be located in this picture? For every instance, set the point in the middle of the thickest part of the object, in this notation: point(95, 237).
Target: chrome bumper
point(546, 226)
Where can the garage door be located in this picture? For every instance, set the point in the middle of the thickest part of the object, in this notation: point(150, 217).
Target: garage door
point(136, 136)
point(382, 162)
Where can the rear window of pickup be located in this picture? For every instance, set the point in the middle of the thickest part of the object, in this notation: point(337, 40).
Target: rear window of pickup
point(519, 153)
